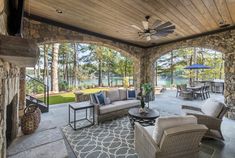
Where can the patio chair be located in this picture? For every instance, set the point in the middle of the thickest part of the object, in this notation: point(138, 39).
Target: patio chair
point(207, 91)
point(200, 93)
point(178, 90)
point(210, 114)
point(175, 137)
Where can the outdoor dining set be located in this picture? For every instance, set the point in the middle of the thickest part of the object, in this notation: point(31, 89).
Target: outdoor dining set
point(193, 92)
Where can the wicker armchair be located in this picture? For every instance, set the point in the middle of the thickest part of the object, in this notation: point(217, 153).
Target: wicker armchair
point(176, 142)
point(210, 114)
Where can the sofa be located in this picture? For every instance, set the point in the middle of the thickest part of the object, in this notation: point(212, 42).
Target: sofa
point(171, 137)
point(210, 114)
point(118, 104)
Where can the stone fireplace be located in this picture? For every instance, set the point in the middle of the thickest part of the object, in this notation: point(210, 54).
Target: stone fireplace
point(9, 89)
point(11, 120)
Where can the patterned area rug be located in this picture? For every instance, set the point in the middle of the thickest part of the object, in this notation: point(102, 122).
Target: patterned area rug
point(112, 139)
point(108, 140)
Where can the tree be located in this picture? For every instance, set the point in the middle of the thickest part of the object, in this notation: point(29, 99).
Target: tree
point(54, 68)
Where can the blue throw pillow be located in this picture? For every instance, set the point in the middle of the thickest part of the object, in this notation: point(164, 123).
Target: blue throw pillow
point(100, 98)
point(131, 94)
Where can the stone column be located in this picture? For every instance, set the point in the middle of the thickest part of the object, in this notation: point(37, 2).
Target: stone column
point(147, 71)
point(22, 92)
point(136, 74)
point(229, 91)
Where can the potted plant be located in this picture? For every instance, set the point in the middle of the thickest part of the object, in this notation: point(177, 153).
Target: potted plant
point(145, 92)
point(147, 88)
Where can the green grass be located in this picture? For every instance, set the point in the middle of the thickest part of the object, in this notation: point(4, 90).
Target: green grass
point(69, 96)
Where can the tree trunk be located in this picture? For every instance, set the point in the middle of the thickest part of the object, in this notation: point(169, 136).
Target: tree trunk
point(156, 74)
point(54, 68)
point(75, 66)
point(195, 62)
point(125, 67)
point(45, 72)
point(108, 75)
point(38, 70)
point(172, 71)
point(64, 72)
point(100, 74)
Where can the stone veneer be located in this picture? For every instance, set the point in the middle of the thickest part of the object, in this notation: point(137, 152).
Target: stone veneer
point(144, 59)
point(9, 87)
point(223, 42)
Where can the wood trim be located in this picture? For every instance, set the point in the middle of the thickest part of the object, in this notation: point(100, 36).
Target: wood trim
point(77, 29)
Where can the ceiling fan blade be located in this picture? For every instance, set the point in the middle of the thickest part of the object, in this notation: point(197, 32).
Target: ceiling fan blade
point(156, 23)
point(172, 27)
point(145, 24)
point(136, 27)
point(148, 38)
point(155, 37)
point(166, 24)
point(164, 33)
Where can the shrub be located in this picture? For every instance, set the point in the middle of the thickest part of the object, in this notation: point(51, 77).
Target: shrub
point(63, 86)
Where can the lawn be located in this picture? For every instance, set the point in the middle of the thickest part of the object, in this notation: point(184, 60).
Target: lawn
point(69, 96)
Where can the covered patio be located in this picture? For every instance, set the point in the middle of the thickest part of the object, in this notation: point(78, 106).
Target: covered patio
point(140, 30)
point(56, 120)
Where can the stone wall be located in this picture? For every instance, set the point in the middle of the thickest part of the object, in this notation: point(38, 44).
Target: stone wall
point(223, 42)
point(9, 87)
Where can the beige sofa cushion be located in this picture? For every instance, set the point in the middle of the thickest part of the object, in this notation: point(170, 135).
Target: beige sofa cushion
point(212, 107)
point(113, 95)
point(122, 94)
point(118, 105)
point(163, 123)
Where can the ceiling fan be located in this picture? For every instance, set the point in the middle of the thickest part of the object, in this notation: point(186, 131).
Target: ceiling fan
point(158, 29)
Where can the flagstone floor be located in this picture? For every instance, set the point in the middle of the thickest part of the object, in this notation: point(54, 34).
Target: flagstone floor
point(49, 141)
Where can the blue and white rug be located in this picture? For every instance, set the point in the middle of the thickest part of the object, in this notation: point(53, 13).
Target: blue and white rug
point(112, 139)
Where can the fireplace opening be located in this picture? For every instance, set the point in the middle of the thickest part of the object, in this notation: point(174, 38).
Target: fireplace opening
point(9, 123)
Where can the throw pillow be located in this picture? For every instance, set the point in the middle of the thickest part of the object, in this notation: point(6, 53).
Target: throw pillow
point(113, 95)
point(131, 94)
point(107, 101)
point(122, 94)
point(163, 123)
point(100, 97)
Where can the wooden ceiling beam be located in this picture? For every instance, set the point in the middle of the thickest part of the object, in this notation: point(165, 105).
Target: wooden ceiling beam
point(22, 52)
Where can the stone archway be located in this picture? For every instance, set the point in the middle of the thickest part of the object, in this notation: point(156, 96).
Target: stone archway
point(45, 33)
point(223, 42)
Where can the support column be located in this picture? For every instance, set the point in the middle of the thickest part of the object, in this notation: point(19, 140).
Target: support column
point(147, 72)
point(229, 91)
point(136, 74)
point(22, 92)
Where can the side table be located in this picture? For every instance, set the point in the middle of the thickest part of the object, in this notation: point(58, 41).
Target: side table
point(74, 107)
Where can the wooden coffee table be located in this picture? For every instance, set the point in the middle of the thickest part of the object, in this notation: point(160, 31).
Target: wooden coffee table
point(145, 119)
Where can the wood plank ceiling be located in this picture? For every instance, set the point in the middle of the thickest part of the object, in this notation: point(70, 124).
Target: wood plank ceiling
point(114, 17)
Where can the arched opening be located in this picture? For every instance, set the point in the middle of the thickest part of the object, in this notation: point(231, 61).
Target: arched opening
point(82, 67)
point(170, 67)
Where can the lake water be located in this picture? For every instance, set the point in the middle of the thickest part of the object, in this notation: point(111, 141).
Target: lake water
point(119, 80)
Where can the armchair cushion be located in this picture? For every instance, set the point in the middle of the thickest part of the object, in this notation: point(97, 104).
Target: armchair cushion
point(113, 95)
point(212, 107)
point(163, 123)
